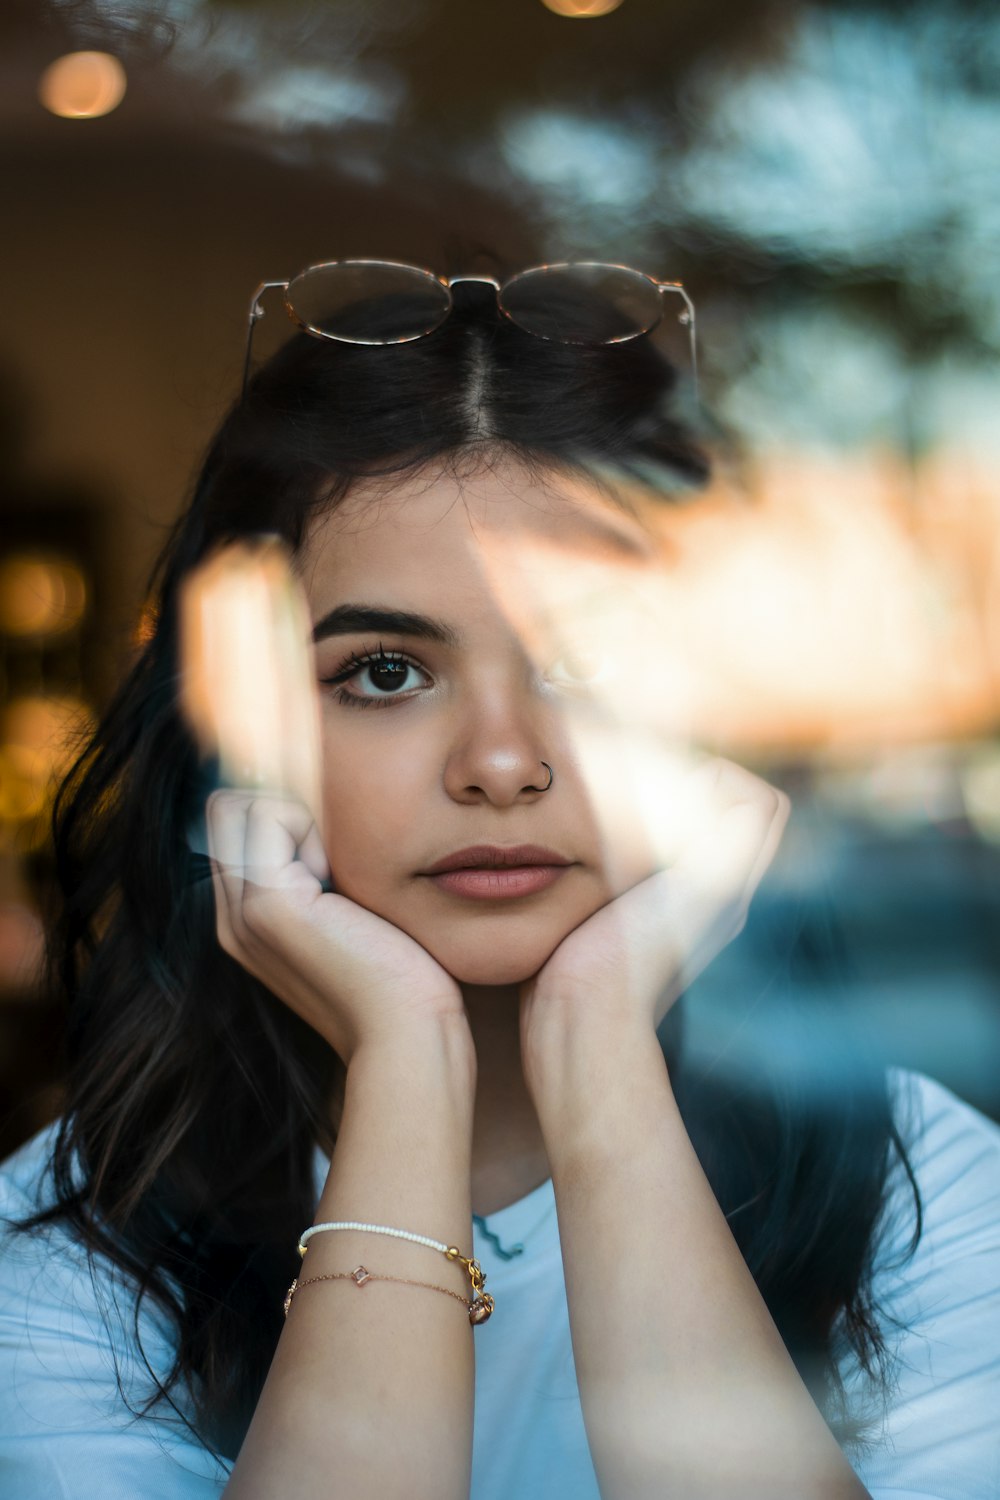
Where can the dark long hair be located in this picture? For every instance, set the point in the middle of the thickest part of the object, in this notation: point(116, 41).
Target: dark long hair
point(195, 1097)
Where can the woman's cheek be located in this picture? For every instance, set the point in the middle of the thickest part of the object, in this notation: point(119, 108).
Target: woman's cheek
point(352, 847)
point(365, 845)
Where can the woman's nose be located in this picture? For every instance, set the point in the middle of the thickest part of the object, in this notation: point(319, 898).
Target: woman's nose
point(497, 756)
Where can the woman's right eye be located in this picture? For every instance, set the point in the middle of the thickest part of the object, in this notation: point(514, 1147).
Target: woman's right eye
point(377, 678)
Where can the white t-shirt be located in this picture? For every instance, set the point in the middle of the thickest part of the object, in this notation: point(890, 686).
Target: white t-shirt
point(65, 1433)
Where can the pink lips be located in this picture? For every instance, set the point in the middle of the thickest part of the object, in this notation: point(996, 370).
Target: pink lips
point(489, 872)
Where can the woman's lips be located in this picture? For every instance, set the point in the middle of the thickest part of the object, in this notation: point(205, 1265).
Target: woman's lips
point(499, 883)
point(497, 872)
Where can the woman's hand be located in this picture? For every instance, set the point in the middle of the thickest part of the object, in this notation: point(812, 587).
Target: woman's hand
point(614, 977)
point(354, 977)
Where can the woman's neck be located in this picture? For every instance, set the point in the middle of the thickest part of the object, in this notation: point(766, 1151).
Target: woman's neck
point(508, 1153)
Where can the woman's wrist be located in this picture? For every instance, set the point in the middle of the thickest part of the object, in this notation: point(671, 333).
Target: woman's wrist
point(439, 1054)
point(572, 1072)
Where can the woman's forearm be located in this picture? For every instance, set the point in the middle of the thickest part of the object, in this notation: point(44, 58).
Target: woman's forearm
point(686, 1386)
point(370, 1393)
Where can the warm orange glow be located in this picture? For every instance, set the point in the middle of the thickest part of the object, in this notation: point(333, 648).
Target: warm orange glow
point(40, 595)
point(833, 604)
point(82, 85)
point(247, 680)
point(39, 739)
point(839, 603)
point(581, 9)
point(40, 735)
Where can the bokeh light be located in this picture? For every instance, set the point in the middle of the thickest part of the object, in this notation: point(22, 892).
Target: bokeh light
point(82, 85)
point(581, 8)
point(40, 595)
point(39, 737)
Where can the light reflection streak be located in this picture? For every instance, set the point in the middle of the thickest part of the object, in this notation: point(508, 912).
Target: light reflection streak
point(247, 678)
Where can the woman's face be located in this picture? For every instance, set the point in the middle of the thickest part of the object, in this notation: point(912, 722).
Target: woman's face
point(521, 646)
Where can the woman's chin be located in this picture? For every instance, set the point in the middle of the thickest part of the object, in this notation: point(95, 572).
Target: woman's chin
point(488, 972)
point(476, 964)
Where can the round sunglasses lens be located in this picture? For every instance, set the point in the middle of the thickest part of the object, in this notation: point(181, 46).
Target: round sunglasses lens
point(582, 304)
point(368, 302)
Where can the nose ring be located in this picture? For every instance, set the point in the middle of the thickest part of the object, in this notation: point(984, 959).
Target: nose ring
point(548, 783)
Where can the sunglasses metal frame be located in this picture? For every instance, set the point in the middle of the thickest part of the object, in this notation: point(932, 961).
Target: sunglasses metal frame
point(686, 317)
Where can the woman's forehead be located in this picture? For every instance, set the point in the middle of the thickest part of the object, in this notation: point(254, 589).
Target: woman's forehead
point(499, 518)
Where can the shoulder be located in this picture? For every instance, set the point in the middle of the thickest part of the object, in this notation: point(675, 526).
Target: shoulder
point(48, 1267)
point(24, 1177)
point(26, 1188)
point(76, 1355)
point(934, 1119)
point(50, 1287)
point(954, 1153)
point(937, 1296)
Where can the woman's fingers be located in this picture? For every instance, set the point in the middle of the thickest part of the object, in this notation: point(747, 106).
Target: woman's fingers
point(670, 927)
point(720, 868)
point(277, 828)
point(259, 843)
point(718, 872)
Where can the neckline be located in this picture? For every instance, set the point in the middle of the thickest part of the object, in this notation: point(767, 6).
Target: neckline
point(530, 1222)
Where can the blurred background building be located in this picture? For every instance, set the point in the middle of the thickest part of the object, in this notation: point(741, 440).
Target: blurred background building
point(822, 176)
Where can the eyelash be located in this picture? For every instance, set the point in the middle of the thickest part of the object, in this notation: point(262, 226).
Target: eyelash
point(355, 663)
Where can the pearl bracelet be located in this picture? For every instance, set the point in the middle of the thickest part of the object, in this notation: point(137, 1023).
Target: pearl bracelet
point(399, 1234)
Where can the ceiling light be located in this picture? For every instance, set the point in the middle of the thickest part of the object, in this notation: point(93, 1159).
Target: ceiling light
point(82, 85)
point(581, 8)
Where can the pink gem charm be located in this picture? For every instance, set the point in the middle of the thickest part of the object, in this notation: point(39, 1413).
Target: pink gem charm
point(361, 1275)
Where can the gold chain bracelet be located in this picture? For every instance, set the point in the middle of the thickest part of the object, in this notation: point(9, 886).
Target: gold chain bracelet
point(479, 1309)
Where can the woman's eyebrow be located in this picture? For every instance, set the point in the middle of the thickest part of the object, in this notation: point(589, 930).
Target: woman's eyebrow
point(354, 619)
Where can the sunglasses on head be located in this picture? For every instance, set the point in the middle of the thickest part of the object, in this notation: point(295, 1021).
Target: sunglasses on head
point(386, 302)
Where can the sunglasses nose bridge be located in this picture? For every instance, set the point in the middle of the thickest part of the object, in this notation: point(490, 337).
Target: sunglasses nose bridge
point(481, 280)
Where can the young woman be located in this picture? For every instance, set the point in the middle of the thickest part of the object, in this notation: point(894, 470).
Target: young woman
point(451, 1024)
